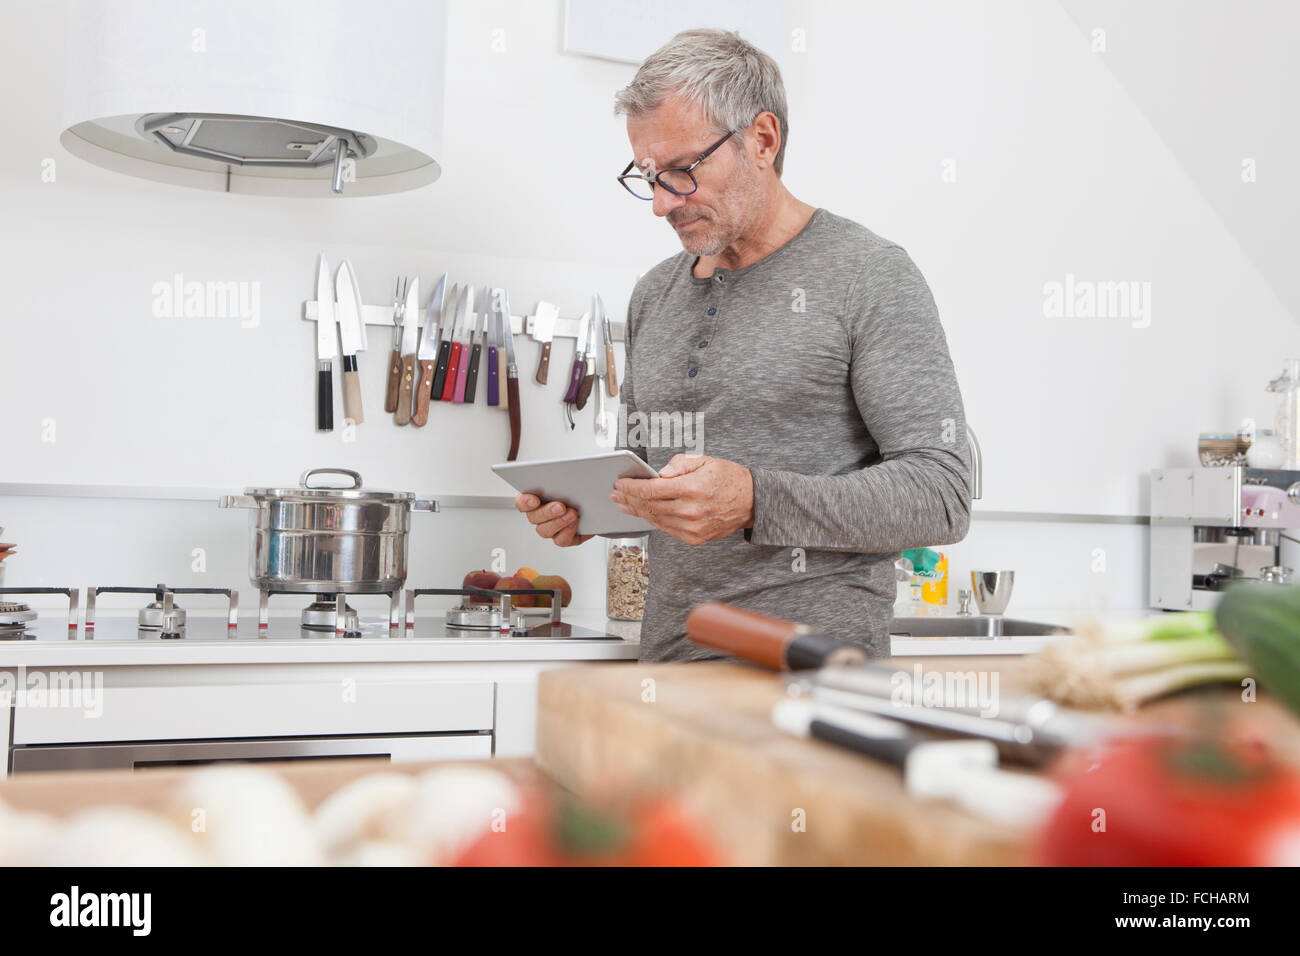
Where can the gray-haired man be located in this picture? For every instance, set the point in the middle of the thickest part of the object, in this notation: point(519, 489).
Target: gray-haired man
point(809, 350)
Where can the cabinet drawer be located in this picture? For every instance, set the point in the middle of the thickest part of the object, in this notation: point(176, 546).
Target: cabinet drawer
point(261, 710)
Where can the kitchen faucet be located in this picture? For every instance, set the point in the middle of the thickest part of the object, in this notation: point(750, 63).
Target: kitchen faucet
point(976, 464)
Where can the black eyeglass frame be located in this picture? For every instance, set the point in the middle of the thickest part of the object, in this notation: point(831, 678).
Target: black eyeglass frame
point(655, 180)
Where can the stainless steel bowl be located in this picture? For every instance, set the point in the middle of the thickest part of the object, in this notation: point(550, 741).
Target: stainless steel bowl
point(317, 540)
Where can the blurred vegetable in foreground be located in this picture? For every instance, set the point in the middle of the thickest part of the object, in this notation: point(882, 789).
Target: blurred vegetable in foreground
point(1122, 667)
point(560, 831)
point(1175, 801)
point(1262, 621)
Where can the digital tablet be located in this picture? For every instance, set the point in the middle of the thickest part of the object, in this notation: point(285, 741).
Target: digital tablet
point(583, 484)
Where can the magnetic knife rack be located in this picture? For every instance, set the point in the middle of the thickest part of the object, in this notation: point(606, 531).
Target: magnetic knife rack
point(382, 315)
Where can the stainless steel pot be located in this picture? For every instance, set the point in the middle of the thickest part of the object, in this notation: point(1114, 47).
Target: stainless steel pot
point(316, 540)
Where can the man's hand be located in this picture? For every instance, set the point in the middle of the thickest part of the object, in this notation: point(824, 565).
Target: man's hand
point(552, 519)
point(695, 498)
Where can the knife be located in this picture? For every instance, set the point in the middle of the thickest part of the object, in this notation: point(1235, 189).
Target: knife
point(326, 348)
point(504, 329)
point(352, 332)
point(588, 358)
point(602, 421)
point(512, 377)
point(453, 362)
point(428, 353)
point(466, 329)
point(544, 332)
point(579, 362)
point(476, 346)
point(611, 372)
point(447, 331)
point(493, 373)
point(410, 339)
point(395, 360)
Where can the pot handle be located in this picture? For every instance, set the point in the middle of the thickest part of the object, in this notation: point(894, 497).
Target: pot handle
point(424, 504)
point(355, 476)
point(236, 501)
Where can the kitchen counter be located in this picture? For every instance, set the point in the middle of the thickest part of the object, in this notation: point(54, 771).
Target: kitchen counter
point(82, 653)
point(978, 646)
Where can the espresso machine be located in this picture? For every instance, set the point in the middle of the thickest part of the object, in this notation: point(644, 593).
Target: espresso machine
point(1211, 526)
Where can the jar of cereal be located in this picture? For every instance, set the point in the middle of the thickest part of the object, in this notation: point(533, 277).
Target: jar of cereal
point(627, 568)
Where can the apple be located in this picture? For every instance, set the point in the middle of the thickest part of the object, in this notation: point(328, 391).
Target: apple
point(518, 584)
point(480, 579)
point(553, 582)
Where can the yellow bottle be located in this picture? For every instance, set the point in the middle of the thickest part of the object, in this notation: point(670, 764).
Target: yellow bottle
point(935, 591)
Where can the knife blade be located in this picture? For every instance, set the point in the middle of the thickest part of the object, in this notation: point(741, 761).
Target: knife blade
point(493, 372)
point(410, 339)
point(476, 346)
point(352, 333)
point(428, 352)
point(503, 329)
point(544, 332)
point(579, 362)
point(465, 336)
point(512, 378)
point(326, 348)
point(588, 358)
point(611, 371)
point(453, 363)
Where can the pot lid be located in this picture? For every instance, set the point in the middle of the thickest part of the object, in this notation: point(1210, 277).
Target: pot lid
point(308, 488)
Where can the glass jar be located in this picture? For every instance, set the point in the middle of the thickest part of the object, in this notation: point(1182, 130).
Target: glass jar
point(627, 571)
point(1287, 387)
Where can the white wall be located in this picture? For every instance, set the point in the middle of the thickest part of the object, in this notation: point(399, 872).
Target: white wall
point(1058, 171)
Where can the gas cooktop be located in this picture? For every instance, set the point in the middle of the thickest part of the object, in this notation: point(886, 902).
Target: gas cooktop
point(476, 615)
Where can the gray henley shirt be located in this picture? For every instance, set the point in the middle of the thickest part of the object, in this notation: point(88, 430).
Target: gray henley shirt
point(822, 368)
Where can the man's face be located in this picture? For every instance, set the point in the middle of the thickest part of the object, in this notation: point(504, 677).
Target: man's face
point(730, 193)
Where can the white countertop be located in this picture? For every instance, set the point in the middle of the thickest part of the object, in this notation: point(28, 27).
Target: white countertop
point(152, 653)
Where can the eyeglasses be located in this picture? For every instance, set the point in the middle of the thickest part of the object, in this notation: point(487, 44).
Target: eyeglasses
point(678, 180)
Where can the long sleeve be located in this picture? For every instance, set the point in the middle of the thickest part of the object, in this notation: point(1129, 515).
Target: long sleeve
point(902, 378)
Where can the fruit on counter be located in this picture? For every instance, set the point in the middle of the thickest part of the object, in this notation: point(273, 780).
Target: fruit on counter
point(480, 579)
point(528, 573)
point(518, 584)
point(561, 831)
point(553, 582)
point(1262, 621)
point(1165, 800)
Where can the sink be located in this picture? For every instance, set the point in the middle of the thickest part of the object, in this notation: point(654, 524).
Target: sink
point(970, 625)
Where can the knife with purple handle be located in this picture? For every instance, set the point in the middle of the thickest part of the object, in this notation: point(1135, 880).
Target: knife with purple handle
point(493, 373)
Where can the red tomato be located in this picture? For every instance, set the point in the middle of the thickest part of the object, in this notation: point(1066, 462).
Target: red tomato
point(1162, 801)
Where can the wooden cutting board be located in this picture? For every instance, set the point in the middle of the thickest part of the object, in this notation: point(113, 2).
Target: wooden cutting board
point(704, 732)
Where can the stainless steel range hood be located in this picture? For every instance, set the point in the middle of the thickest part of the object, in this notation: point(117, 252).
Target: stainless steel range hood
point(297, 97)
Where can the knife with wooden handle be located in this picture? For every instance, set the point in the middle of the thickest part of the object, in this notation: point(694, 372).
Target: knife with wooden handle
point(428, 353)
point(611, 373)
point(410, 340)
point(395, 360)
point(774, 643)
point(352, 334)
point(544, 332)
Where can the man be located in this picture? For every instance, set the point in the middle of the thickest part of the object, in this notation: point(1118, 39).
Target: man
point(804, 348)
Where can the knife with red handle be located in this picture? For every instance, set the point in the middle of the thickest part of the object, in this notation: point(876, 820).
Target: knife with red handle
point(775, 644)
point(453, 363)
point(462, 361)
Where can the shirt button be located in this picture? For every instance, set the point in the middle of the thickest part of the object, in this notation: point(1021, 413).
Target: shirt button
point(712, 311)
point(692, 372)
point(703, 342)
